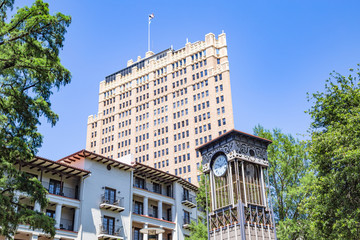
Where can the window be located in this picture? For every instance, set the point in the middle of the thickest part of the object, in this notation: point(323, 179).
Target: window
point(55, 187)
point(186, 217)
point(139, 208)
point(110, 195)
point(50, 213)
point(139, 183)
point(157, 188)
point(137, 234)
point(109, 225)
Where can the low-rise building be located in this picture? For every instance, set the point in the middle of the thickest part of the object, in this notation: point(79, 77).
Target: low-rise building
point(94, 197)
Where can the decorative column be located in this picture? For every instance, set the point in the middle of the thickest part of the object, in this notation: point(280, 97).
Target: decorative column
point(160, 209)
point(76, 220)
point(173, 213)
point(146, 206)
point(160, 236)
point(58, 215)
point(145, 234)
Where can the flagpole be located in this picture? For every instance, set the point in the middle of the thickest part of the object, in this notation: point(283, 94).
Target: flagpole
point(149, 35)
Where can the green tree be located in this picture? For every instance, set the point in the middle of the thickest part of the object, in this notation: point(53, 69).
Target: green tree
point(198, 230)
point(30, 68)
point(289, 178)
point(334, 206)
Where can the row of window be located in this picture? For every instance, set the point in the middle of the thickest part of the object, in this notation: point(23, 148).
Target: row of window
point(203, 140)
point(201, 95)
point(124, 123)
point(93, 134)
point(125, 133)
point(164, 163)
point(160, 131)
point(107, 149)
point(94, 125)
point(201, 117)
point(180, 102)
point(200, 84)
point(199, 74)
point(198, 55)
point(181, 124)
point(109, 101)
point(218, 77)
point(160, 80)
point(198, 64)
point(93, 144)
point(109, 93)
point(109, 110)
point(140, 148)
point(160, 120)
point(125, 113)
point(108, 120)
point(160, 142)
point(160, 100)
point(160, 110)
point(123, 153)
point(124, 143)
point(181, 135)
point(160, 71)
point(180, 92)
point(142, 97)
point(142, 107)
point(182, 170)
point(201, 106)
point(142, 116)
point(142, 137)
point(142, 79)
point(125, 104)
point(125, 95)
point(142, 88)
point(220, 99)
point(179, 82)
point(204, 128)
point(160, 90)
point(179, 63)
point(161, 153)
point(142, 127)
point(180, 158)
point(107, 139)
point(105, 130)
point(182, 146)
point(142, 158)
point(217, 88)
point(181, 113)
point(179, 73)
point(222, 122)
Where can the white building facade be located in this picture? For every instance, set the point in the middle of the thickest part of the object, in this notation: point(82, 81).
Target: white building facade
point(93, 197)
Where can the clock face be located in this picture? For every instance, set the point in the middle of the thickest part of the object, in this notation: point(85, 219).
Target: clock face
point(220, 165)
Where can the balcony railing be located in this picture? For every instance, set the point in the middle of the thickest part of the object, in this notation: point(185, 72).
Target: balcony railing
point(64, 191)
point(113, 204)
point(150, 187)
point(189, 200)
point(66, 224)
point(115, 232)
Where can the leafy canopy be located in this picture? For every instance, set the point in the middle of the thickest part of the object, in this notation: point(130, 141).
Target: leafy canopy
point(335, 148)
point(30, 68)
point(289, 176)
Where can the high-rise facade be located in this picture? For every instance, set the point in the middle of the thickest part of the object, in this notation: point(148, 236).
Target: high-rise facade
point(162, 107)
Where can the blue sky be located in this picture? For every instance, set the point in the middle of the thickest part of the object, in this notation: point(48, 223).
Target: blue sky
point(278, 51)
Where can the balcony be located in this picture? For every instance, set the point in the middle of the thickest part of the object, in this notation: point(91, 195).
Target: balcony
point(116, 204)
point(187, 221)
point(189, 200)
point(64, 191)
point(155, 189)
point(66, 224)
point(112, 233)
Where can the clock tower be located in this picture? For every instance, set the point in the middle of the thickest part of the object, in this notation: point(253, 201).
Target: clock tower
point(235, 167)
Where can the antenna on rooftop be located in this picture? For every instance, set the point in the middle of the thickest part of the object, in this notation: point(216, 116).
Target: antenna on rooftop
point(187, 40)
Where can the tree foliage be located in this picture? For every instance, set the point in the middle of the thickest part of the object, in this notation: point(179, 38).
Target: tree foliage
point(334, 206)
point(198, 230)
point(30, 68)
point(289, 178)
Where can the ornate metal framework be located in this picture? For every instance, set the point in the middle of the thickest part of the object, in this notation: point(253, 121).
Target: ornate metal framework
point(239, 206)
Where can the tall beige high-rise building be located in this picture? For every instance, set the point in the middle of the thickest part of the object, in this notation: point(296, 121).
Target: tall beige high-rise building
point(160, 108)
